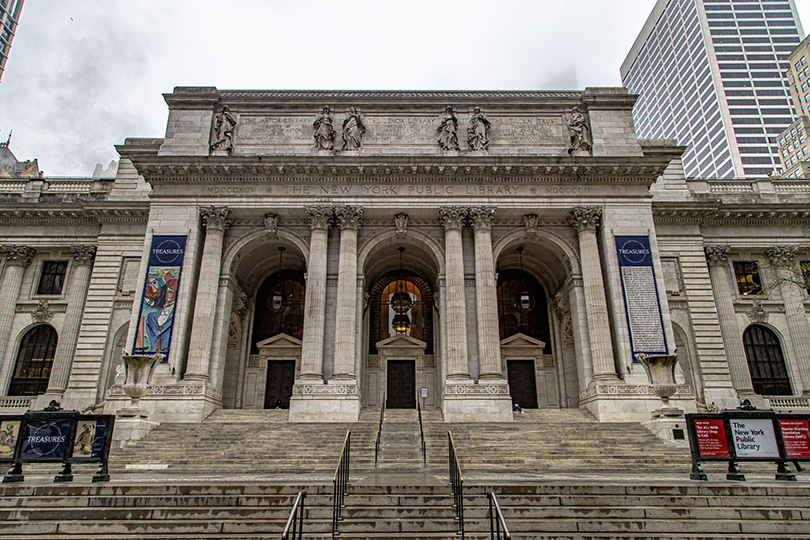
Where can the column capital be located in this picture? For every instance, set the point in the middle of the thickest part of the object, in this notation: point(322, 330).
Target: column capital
point(782, 256)
point(453, 217)
point(585, 218)
point(716, 254)
point(348, 217)
point(18, 255)
point(83, 255)
point(482, 216)
point(319, 217)
point(216, 218)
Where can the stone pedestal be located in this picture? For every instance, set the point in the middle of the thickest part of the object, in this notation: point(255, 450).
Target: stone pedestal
point(666, 429)
point(131, 429)
point(487, 401)
point(335, 401)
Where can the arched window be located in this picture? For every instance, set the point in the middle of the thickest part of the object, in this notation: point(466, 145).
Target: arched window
point(521, 313)
point(279, 307)
point(765, 362)
point(34, 362)
point(419, 314)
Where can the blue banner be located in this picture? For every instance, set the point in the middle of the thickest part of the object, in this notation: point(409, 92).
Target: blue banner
point(45, 440)
point(156, 315)
point(641, 303)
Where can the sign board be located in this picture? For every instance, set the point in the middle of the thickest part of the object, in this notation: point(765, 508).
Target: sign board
point(642, 306)
point(424, 392)
point(9, 437)
point(754, 438)
point(45, 440)
point(795, 436)
point(711, 438)
point(93, 437)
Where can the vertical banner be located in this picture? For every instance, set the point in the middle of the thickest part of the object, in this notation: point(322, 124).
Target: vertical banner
point(156, 315)
point(641, 302)
point(796, 436)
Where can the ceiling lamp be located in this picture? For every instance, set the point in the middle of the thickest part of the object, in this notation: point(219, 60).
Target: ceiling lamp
point(277, 298)
point(524, 301)
point(401, 301)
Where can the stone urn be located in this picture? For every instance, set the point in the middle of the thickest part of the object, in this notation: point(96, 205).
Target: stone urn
point(661, 375)
point(138, 369)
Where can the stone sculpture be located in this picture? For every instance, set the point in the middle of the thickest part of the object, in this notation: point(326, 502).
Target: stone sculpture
point(578, 132)
point(324, 132)
point(448, 136)
point(477, 135)
point(353, 130)
point(224, 126)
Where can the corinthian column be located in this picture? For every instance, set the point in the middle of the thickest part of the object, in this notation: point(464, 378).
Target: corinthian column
point(489, 346)
point(348, 219)
point(732, 339)
point(585, 219)
point(77, 294)
point(215, 220)
point(17, 259)
point(315, 305)
point(453, 218)
point(786, 266)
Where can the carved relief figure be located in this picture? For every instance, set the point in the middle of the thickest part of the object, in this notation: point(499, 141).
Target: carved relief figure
point(353, 130)
point(477, 131)
point(224, 126)
point(324, 132)
point(448, 138)
point(578, 132)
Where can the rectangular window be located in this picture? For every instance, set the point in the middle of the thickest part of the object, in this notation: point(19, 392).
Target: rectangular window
point(52, 278)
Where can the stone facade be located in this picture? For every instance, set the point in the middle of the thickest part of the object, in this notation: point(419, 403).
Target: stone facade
point(292, 261)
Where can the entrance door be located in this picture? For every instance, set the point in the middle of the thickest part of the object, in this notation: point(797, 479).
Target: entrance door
point(401, 384)
point(280, 377)
point(522, 383)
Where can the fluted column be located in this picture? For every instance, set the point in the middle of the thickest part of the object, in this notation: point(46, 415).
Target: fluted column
point(486, 297)
point(348, 219)
point(585, 219)
point(786, 266)
point(17, 259)
point(453, 218)
point(716, 256)
point(77, 294)
point(215, 220)
point(315, 305)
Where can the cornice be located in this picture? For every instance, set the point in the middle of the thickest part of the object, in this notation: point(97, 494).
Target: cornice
point(381, 169)
point(729, 214)
point(33, 214)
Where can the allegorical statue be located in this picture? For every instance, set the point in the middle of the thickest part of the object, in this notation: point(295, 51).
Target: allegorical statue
point(324, 132)
point(223, 130)
point(448, 138)
point(579, 133)
point(477, 131)
point(353, 130)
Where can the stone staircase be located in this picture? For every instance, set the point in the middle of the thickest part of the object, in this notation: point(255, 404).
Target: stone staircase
point(400, 448)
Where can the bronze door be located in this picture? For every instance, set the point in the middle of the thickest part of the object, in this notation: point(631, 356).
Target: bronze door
point(401, 384)
point(280, 377)
point(522, 383)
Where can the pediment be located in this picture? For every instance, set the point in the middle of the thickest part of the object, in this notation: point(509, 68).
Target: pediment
point(522, 341)
point(279, 341)
point(401, 341)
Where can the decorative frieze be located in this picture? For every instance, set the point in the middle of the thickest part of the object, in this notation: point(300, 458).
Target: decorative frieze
point(476, 389)
point(324, 390)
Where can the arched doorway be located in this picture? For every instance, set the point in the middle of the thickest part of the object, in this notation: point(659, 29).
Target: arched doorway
point(765, 361)
point(34, 361)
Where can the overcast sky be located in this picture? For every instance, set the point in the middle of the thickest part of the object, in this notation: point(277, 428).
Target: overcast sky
point(85, 74)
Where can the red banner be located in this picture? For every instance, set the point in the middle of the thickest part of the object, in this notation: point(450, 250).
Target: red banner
point(796, 436)
point(711, 438)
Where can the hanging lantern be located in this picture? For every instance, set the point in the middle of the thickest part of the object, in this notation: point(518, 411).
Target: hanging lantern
point(524, 301)
point(277, 298)
point(401, 302)
point(401, 323)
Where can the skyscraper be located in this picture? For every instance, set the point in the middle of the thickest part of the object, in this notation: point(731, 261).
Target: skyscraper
point(9, 16)
point(711, 74)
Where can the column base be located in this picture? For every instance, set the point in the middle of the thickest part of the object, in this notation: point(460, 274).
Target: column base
point(621, 402)
point(336, 401)
point(485, 401)
point(177, 402)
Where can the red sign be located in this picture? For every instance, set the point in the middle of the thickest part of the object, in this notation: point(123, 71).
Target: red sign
point(796, 436)
point(711, 438)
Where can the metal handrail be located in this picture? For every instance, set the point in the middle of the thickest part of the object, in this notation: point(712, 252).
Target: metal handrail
point(295, 524)
point(457, 484)
point(422, 434)
point(341, 483)
point(379, 432)
point(497, 524)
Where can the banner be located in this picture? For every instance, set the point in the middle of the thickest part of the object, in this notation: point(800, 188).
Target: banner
point(641, 302)
point(156, 315)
